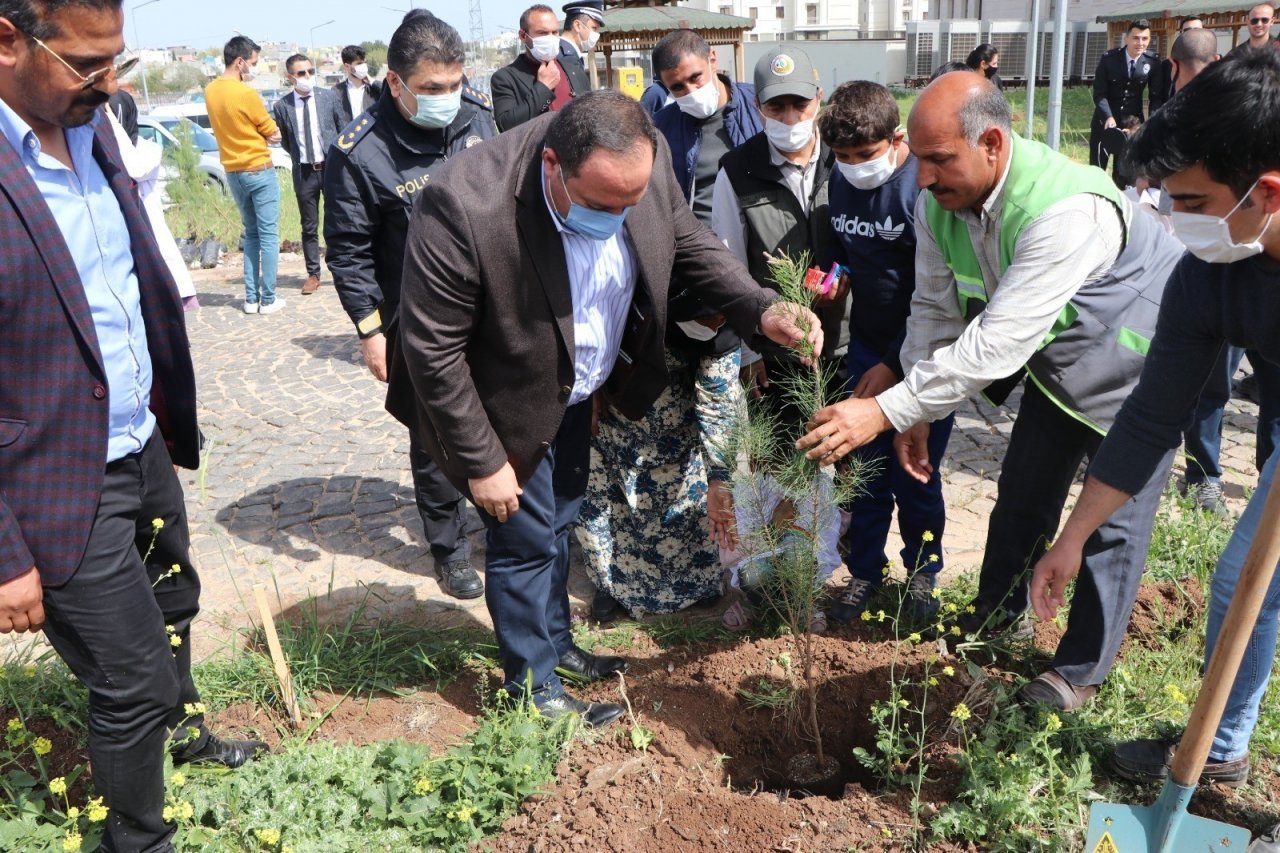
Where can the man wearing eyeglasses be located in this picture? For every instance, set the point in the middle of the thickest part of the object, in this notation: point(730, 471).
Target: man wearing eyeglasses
point(240, 121)
point(97, 405)
point(1260, 20)
point(309, 120)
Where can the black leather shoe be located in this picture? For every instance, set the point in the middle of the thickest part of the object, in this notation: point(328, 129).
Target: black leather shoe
point(594, 715)
point(584, 667)
point(459, 580)
point(604, 607)
point(1148, 760)
point(228, 753)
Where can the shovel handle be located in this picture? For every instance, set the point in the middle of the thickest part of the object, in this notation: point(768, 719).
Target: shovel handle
point(1237, 628)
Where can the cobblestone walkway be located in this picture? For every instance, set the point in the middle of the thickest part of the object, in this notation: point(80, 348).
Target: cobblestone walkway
point(305, 487)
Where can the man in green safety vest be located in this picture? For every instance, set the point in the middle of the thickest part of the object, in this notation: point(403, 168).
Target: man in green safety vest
point(1025, 261)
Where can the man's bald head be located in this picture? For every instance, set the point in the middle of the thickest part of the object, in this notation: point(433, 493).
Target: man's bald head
point(1192, 53)
point(960, 130)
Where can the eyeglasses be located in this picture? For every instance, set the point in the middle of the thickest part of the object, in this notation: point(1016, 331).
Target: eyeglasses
point(304, 72)
point(88, 82)
point(1256, 21)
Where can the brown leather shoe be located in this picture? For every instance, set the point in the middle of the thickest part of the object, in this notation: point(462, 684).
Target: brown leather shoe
point(1050, 688)
point(311, 286)
point(1148, 760)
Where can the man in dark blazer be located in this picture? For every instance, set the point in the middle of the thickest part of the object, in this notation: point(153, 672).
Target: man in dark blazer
point(1123, 74)
point(522, 292)
point(309, 120)
point(541, 79)
point(356, 92)
point(97, 404)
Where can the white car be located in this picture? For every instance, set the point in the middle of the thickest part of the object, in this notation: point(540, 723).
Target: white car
point(163, 130)
point(192, 108)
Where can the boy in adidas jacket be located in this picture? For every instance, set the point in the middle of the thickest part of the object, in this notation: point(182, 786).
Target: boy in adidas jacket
point(872, 201)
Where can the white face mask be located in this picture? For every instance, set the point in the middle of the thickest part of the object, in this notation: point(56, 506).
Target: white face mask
point(304, 85)
point(544, 48)
point(248, 73)
point(590, 41)
point(360, 70)
point(702, 102)
point(873, 173)
point(1209, 237)
point(788, 137)
point(696, 330)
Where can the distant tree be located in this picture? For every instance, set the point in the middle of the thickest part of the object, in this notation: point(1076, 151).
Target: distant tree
point(375, 54)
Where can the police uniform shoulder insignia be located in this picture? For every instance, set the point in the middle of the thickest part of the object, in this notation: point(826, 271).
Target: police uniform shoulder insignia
point(355, 132)
point(477, 97)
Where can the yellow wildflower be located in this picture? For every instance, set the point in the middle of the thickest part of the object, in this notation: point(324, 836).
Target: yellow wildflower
point(971, 609)
point(424, 786)
point(955, 630)
point(951, 607)
point(71, 842)
point(177, 780)
point(933, 682)
point(73, 813)
point(1052, 723)
point(933, 558)
point(95, 810)
point(866, 616)
point(58, 786)
point(176, 568)
point(881, 616)
point(157, 523)
point(42, 746)
point(902, 703)
point(194, 709)
point(29, 670)
point(937, 593)
point(913, 637)
point(961, 712)
point(927, 536)
point(1175, 694)
point(175, 641)
point(948, 671)
point(269, 837)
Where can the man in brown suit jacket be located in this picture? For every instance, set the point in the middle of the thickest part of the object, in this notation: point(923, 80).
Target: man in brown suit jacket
point(521, 290)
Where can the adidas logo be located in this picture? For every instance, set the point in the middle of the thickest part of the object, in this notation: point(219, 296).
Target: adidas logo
point(884, 230)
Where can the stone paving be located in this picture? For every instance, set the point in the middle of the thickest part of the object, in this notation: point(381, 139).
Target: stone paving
point(305, 486)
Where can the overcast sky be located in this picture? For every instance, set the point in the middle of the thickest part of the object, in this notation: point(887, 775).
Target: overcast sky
point(209, 23)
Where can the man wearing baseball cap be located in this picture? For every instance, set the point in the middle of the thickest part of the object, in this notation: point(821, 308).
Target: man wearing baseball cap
point(787, 164)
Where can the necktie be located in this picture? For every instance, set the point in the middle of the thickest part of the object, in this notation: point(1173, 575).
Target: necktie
point(306, 129)
point(1131, 61)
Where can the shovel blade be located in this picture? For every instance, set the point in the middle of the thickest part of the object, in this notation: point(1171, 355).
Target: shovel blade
point(1164, 827)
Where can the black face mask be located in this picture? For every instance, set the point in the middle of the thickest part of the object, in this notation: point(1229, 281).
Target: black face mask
point(991, 72)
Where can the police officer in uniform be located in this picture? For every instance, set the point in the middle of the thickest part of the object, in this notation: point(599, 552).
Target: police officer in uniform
point(425, 114)
point(1123, 74)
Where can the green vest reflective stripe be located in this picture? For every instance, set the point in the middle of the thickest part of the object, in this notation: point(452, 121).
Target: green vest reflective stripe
point(1092, 356)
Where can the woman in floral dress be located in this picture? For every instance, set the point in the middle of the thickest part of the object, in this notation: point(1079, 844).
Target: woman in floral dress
point(644, 523)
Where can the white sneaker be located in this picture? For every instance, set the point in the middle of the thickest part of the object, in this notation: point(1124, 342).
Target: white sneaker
point(272, 308)
point(251, 308)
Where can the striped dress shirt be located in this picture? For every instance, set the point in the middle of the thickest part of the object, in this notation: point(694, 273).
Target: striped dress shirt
point(602, 281)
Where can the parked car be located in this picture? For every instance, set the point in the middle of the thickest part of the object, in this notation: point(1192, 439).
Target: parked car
point(192, 107)
point(163, 130)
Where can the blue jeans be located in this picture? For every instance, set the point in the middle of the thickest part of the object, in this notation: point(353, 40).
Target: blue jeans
point(1203, 439)
point(257, 195)
point(1241, 714)
point(921, 508)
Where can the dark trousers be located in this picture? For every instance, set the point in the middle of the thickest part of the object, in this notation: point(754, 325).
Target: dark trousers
point(1097, 157)
point(921, 507)
point(1203, 439)
point(527, 561)
point(109, 624)
point(307, 186)
point(1045, 451)
point(441, 507)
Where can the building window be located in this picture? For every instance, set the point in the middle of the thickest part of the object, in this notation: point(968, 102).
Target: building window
point(755, 14)
point(780, 13)
point(811, 14)
point(726, 10)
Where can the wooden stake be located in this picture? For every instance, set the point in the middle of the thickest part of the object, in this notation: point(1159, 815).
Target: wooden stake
point(277, 656)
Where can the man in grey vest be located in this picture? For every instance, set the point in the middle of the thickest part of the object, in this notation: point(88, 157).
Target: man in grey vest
point(1024, 260)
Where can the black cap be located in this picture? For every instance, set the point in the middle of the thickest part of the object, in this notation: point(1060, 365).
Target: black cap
point(593, 8)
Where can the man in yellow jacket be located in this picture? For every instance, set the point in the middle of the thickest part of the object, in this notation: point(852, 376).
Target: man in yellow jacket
point(239, 119)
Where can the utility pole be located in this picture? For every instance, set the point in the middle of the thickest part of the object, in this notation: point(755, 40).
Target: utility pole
point(1033, 60)
point(477, 35)
point(1057, 71)
point(142, 66)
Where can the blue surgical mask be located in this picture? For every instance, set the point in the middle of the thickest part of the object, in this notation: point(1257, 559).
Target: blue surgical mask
point(585, 222)
point(435, 111)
